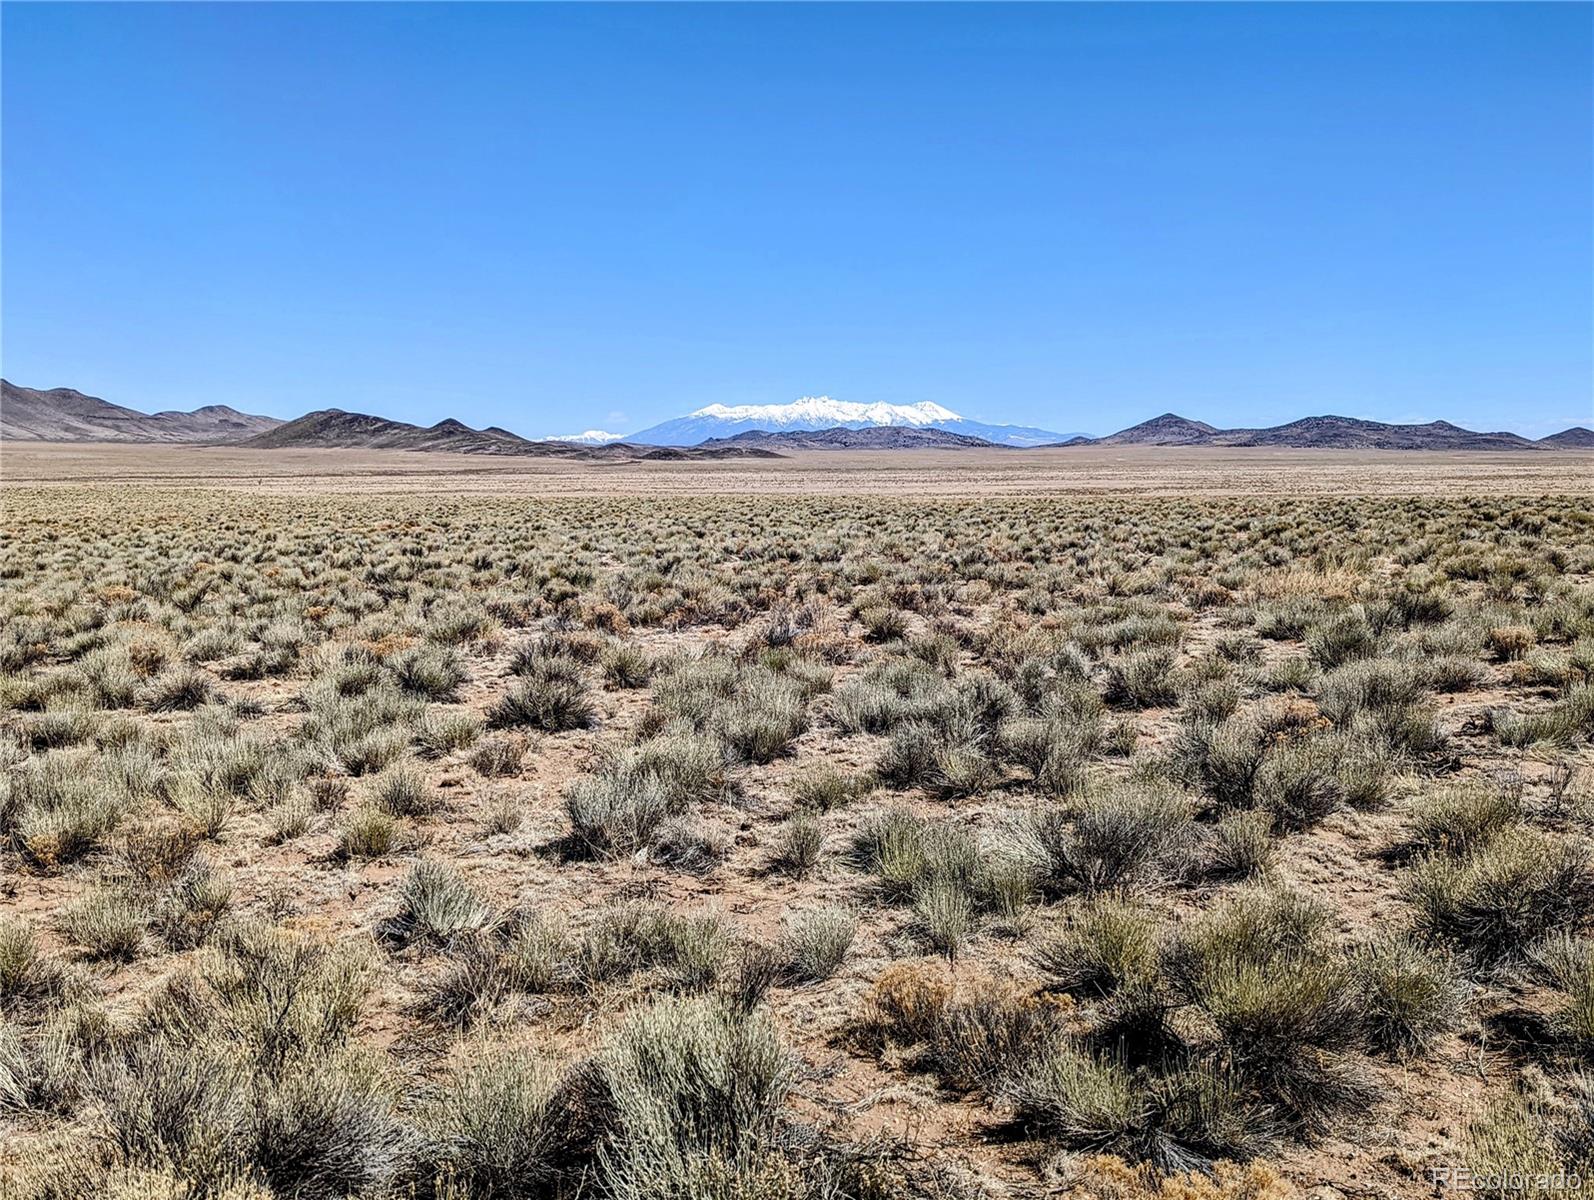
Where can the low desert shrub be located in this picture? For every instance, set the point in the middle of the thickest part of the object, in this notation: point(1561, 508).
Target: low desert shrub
point(617, 814)
point(505, 1127)
point(436, 904)
point(179, 690)
point(497, 756)
point(826, 788)
point(1128, 835)
point(444, 733)
point(626, 667)
point(402, 792)
point(1106, 944)
point(798, 845)
point(890, 694)
point(1379, 686)
point(1238, 845)
point(502, 812)
point(57, 808)
point(964, 771)
point(1182, 1121)
point(107, 924)
point(1460, 817)
point(1564, 723)
point(1411, 995)
point(1336, 640)
point(1566, 962)
point(1221, 759)
point(909, 853)
point(536, 949)
point(816, 941)
point(910, 757)
point(694, 1091)
point(289, 820)
point(1286, 1028)
point(192, 906)
point(766, 715)
point(943, 911)
point(1143, 679)
point(553, 701)
point(27, 974)
point(977, 1033)
point(434, 671)
point(368, 833)
point(1297, 785)
point(1494, 901)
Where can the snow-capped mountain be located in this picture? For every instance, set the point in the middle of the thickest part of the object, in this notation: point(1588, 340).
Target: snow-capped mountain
point(831, 412)
point(821, 412)
point(591, 437)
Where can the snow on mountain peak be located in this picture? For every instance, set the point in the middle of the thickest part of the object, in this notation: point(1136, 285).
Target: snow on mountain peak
point(822, 410)
point(591, 437)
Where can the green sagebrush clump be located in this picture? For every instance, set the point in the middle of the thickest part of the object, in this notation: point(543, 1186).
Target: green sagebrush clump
point(551, 695)
point(1493, 899)
point(240, 1072)
point(623, 806)
point(1129, 834)
point(437, 904)
point(1293, 1013)
point(816, 942)
point(941, 870)
point(686, 1099)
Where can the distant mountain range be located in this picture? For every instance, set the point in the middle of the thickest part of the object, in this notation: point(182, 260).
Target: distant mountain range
point(748, 431)
point(874, 437)
point(334, 428)
point(1342, 433)
point(814, 413)
point(64, 415)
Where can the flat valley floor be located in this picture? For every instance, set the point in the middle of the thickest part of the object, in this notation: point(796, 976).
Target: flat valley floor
point(1159, 471)
point(1107, 823)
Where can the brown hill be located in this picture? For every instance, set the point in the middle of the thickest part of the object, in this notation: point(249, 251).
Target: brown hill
point(1325, 432)
point(65, 415)
point(332, 428)
point(1169, 429)
point(1350, 433)
point(1575, 438)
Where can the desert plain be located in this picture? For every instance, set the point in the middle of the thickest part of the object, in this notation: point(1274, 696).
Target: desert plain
point(1108, 823)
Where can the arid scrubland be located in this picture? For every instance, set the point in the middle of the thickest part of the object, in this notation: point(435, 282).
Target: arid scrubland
point(423, 846)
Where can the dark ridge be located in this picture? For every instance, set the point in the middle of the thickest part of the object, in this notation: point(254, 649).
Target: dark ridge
point(333, 429)
point(67, 415)
point(1577, 438)
point(1324, 432)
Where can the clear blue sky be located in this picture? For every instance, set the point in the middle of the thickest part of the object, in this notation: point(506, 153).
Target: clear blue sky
point(553, 218)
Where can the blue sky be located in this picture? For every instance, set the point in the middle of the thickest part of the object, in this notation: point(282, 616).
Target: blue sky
point(553, 218)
